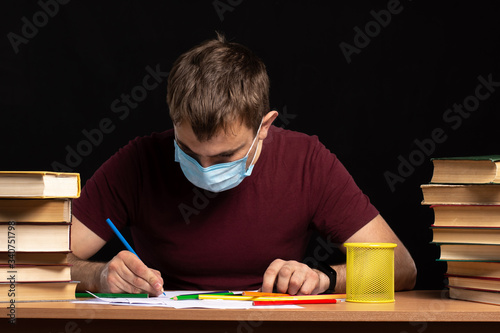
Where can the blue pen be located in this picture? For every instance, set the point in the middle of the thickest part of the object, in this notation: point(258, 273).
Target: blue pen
point(120, 236)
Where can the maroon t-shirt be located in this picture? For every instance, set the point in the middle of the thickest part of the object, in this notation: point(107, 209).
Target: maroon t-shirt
point(211, 241)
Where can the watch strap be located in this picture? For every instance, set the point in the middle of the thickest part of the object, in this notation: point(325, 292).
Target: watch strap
point(329, 271)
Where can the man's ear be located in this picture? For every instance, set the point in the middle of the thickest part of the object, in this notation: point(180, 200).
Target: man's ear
point(267, 121)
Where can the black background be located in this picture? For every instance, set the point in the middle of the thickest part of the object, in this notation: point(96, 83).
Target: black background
point(370, 111)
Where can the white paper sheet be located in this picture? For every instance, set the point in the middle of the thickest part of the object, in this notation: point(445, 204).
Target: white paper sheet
point(166, 301)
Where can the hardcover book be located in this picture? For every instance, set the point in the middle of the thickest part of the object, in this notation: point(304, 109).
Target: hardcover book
point(472, 169)
point(473, 252)
point(39, 184)
point(466, 235)
point(466, 215)
point(474, 268)
point(36, 273)
point(35, 210)
point(37, 291)
point(465, 194)
point(37, 237)
point(475, 295)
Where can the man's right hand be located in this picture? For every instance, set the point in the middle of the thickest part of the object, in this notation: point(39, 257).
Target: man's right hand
point(126, 273)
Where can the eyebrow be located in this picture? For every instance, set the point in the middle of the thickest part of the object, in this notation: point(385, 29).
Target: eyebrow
point(186, 149)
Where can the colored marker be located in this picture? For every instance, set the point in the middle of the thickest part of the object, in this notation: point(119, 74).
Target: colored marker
point(279, 298)
point(196, 296)
point(298, 301)
point(258, 293)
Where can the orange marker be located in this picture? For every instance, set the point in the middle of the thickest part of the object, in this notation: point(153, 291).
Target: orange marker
point(258, 293)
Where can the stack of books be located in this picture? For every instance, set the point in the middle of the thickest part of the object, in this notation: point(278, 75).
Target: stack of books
point(35, 222)
point(464, 194)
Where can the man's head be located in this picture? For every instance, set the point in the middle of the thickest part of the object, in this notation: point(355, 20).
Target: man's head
point(218, 85)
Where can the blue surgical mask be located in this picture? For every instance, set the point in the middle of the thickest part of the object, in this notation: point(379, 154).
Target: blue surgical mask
point(218, 177)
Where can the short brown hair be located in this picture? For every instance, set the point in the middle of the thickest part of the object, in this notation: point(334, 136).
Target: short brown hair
point(216, 83)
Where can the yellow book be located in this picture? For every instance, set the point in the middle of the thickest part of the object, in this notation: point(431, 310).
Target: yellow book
point(39, 184)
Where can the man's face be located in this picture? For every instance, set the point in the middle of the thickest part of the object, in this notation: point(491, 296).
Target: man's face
point(221, 148)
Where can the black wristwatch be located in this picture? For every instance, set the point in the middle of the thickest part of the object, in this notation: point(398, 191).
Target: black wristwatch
point(331, 273)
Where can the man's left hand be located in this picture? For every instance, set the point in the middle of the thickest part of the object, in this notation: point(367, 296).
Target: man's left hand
point(294, 278)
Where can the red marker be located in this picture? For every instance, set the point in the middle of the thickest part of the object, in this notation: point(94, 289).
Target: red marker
point(296, 301)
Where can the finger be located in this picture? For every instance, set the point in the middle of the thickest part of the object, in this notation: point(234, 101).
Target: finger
point(270, 275)
point(296, 279)
point(283, 279)
point(144, 278)
point(292, 277)
point(158, 274)
point(140, 277)
point(311, 283)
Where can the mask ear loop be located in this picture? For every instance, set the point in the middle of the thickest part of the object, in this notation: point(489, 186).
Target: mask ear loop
point(254, 155)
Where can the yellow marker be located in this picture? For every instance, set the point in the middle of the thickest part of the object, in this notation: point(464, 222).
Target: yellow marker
point(279, 298)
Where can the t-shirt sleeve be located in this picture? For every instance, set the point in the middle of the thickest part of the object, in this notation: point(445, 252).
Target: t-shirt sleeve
point(341, 207)
point(111, 193)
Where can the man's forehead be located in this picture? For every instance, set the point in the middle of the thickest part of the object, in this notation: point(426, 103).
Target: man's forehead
point(234, 138)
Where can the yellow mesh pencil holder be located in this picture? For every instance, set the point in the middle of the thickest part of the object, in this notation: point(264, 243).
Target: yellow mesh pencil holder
point(370, 272)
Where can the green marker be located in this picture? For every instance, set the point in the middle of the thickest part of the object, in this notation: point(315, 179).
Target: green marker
point(195, 296)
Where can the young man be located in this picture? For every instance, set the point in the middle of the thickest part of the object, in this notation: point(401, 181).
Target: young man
point(224, 200)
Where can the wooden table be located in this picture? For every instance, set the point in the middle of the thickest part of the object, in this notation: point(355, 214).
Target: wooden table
point(413, 311)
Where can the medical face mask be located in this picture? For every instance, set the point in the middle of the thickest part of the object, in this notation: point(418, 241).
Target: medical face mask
point(218, 177)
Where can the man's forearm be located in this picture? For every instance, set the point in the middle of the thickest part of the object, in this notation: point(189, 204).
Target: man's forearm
point(404, 273)
point(87, 272)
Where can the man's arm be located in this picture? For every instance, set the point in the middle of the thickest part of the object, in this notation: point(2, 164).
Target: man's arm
point(124, 273)
point(378, 231)
point(297, 278)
